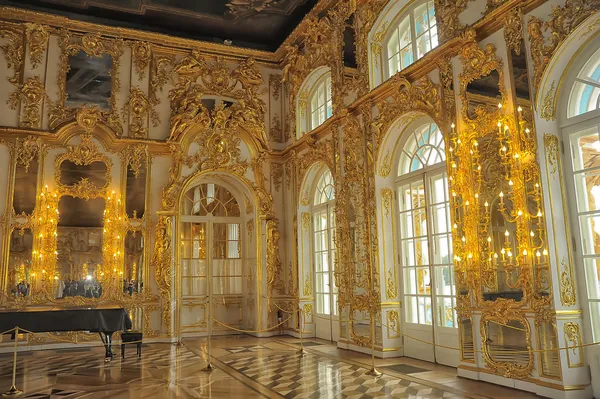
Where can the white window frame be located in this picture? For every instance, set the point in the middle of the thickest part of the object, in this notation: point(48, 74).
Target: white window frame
point(424, 176)
point(317, 109)
point(570, 128)
point(328, 207)
point(431, 31)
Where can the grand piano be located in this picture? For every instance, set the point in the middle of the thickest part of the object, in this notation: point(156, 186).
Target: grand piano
point(104, 321)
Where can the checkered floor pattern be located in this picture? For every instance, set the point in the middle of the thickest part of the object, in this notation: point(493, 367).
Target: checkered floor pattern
point(314, 376)
point(246, 349)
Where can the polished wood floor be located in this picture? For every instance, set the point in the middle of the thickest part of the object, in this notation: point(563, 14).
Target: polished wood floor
point(244, 367)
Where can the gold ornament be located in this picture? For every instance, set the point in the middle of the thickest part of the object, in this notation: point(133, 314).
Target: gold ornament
point(562, 21)
point(513, 30)
point(138, 108)
point(31, 94)
point(142, 54)
point(37, 42)
point(162, 264)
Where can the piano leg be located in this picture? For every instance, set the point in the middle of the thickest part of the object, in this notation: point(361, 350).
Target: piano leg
point(107, 340)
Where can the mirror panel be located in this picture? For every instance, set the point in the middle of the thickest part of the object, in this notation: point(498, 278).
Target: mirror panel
point(134, 262)
point(19, 262)
point(95, 172)
point(507, 345)
point(135, 194)
point(79, 246)
point(483, 95)
point(89, 80)
point(26, 177)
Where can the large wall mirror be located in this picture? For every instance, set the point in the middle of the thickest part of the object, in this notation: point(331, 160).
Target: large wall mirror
point(79, 246)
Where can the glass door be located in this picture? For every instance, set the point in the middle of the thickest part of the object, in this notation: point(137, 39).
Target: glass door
point(222, 265)
point(426, 268)
point(326, 294)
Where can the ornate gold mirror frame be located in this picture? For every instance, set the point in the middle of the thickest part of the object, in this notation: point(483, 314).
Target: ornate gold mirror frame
point(502, 314)
point(94, 45)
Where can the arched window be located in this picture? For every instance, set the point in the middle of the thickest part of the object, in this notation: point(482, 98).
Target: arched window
point(424, 238)
point(585, 93)
point(324, 245)
point(414, 35)
point(581, 131)
point(314, 103)
point(321, 107)
point(424, 147)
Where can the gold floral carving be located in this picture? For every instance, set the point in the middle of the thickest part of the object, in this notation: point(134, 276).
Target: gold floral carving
point(573, 340)
point(160, 72)
point(276, 175)
point(552, 154)
point(364, 20)
point(377, 43)
point(274, 265)
point(31, 95)
point(27, 149)
point(13, 50)
point(562, 21)
point(142, 55)
point(386, 200)
point(393, 324)
point(250, 229)
point(548, 111)
point(275, 132)
point(275, 83)
point(162, 263)
point(305, 221)
point(305, 200)
point(391, 290)
point(37, 42)
point(249, 205)
point(447, 13)
point(307, 290)
point(568, 295)
point(138, 108)
point(94, 45)
point(135, 157)
point(386, 165)
point(513, 30)
point(445, 67)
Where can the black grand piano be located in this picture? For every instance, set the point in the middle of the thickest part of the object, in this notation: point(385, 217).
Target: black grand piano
point(104, 321)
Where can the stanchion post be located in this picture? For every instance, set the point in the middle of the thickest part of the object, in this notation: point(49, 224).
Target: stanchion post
point(302, 352)
point(373, 372)
point(209, 367)
point(14, 391)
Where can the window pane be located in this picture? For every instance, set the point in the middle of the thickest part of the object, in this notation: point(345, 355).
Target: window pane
point(412, 315)
point(585, 94)
point(592, 277)
point(590, 234)
point(425, 310)
point(586, 149)
point(445, 313)
point(410, 281)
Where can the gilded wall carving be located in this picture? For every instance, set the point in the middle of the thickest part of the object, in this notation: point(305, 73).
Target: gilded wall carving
point(13, 49)
point(138, 108)
point(162, 264)
point(545, 36)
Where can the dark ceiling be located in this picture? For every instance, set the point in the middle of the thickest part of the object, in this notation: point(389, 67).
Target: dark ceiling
point(257, 24)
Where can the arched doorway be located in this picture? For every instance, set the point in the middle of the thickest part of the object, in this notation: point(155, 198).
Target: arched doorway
point(323, 248)
point(425, 245)
point(211, 249)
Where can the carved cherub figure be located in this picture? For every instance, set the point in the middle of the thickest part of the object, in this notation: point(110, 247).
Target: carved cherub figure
point(247, 73)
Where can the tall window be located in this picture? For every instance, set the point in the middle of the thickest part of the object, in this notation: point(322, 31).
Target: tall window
point(582, 133)
point(321, 107)
point(324, 246)
point(415, 35)
point(425, 234)
point(585, 93)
